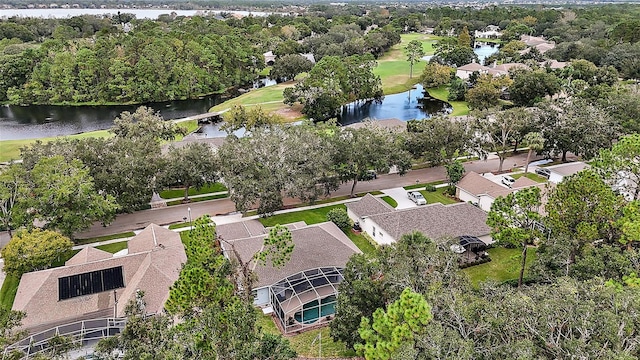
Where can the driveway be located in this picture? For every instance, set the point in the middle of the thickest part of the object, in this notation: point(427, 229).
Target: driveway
point(400, 196)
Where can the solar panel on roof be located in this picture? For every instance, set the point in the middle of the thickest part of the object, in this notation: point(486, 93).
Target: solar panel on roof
point(90, 283)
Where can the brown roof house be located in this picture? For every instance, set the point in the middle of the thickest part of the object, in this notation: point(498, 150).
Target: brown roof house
point(85, 286)
point(302, 293)
point(386, 225)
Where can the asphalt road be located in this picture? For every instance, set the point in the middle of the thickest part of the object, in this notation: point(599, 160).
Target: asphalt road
point(177, 213)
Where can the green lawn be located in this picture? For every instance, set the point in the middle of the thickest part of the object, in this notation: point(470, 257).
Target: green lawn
point(267, 94)
point(311, 216)
point(8, 291)
point(302, 343)
point(179, 192)
point(459, 107)
point(504, 265)
point(362, 242)
point(114, 247)
point(179, 225)
point(533, 176)
point(64, 257)
point(10, 149)
point(438, 196)
point(104, 238)
point(422, 185)
point(394, 69)
point(389, 200)
point(198, 199)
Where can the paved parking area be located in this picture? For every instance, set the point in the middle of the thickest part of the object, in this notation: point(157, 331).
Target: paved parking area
point(400, 196)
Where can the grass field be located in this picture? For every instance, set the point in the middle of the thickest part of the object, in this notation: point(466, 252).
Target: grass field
point(8, 291)
point(361, 242)
point(459, 107)
point(504, 265)
point(389, 200)
point(269, 98)
point(113, 248)
point(533, 176)
point(438, 196)
point(179, 192)
point(418, 186)
point(302, 343)
point(311, 216)
point(104, 238)
point(394, 68)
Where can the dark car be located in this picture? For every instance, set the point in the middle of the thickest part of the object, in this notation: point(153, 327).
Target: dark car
point(368, 175)
point(546, 173)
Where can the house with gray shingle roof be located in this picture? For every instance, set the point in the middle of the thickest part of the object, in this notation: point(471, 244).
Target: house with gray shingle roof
point(84, 288)
point(437, 221)
point(302, 293)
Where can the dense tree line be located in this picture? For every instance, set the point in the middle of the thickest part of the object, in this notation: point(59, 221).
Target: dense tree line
point(152, 62)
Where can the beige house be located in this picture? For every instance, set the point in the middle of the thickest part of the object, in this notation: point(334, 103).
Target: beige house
point(86, 287)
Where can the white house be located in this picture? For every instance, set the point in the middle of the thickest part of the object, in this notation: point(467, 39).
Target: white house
point(463, 72)
point(482, 192)
point(386, 225)
point(559, 172)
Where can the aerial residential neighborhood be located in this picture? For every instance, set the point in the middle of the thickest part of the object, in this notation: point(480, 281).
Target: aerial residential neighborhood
point(308, 180)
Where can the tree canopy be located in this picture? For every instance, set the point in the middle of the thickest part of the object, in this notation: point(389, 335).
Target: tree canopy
point(34, 250)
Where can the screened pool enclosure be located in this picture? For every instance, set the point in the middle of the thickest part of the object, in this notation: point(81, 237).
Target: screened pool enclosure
point(307, 298)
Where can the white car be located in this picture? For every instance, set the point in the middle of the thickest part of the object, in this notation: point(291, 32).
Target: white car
point(507, 180)
point(417, 198)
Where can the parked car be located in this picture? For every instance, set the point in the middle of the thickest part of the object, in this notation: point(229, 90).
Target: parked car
point(507, 180)
point(368, 175)
point(417, 198)
point(546, 173)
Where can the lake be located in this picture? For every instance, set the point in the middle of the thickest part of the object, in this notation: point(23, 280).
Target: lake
point(36, 121)
point(139, 13)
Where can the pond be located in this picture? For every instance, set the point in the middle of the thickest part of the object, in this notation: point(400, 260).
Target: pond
point(482, 49)
point(409, 105)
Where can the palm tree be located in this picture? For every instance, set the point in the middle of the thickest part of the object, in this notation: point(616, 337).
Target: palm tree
point(536, 142)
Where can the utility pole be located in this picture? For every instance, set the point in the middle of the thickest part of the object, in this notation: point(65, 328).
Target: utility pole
point(115, 303)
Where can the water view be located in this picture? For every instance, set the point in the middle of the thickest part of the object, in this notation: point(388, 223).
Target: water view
point(409, 105)
point(36, 121)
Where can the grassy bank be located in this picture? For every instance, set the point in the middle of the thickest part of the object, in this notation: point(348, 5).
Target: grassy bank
point(10, 149)
point(441, 93)
point(269, 98)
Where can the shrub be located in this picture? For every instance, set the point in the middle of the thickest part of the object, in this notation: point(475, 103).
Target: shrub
point(430, 188)
point(340, 218)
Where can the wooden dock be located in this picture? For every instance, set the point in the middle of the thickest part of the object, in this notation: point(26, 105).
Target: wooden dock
point(204, 118)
